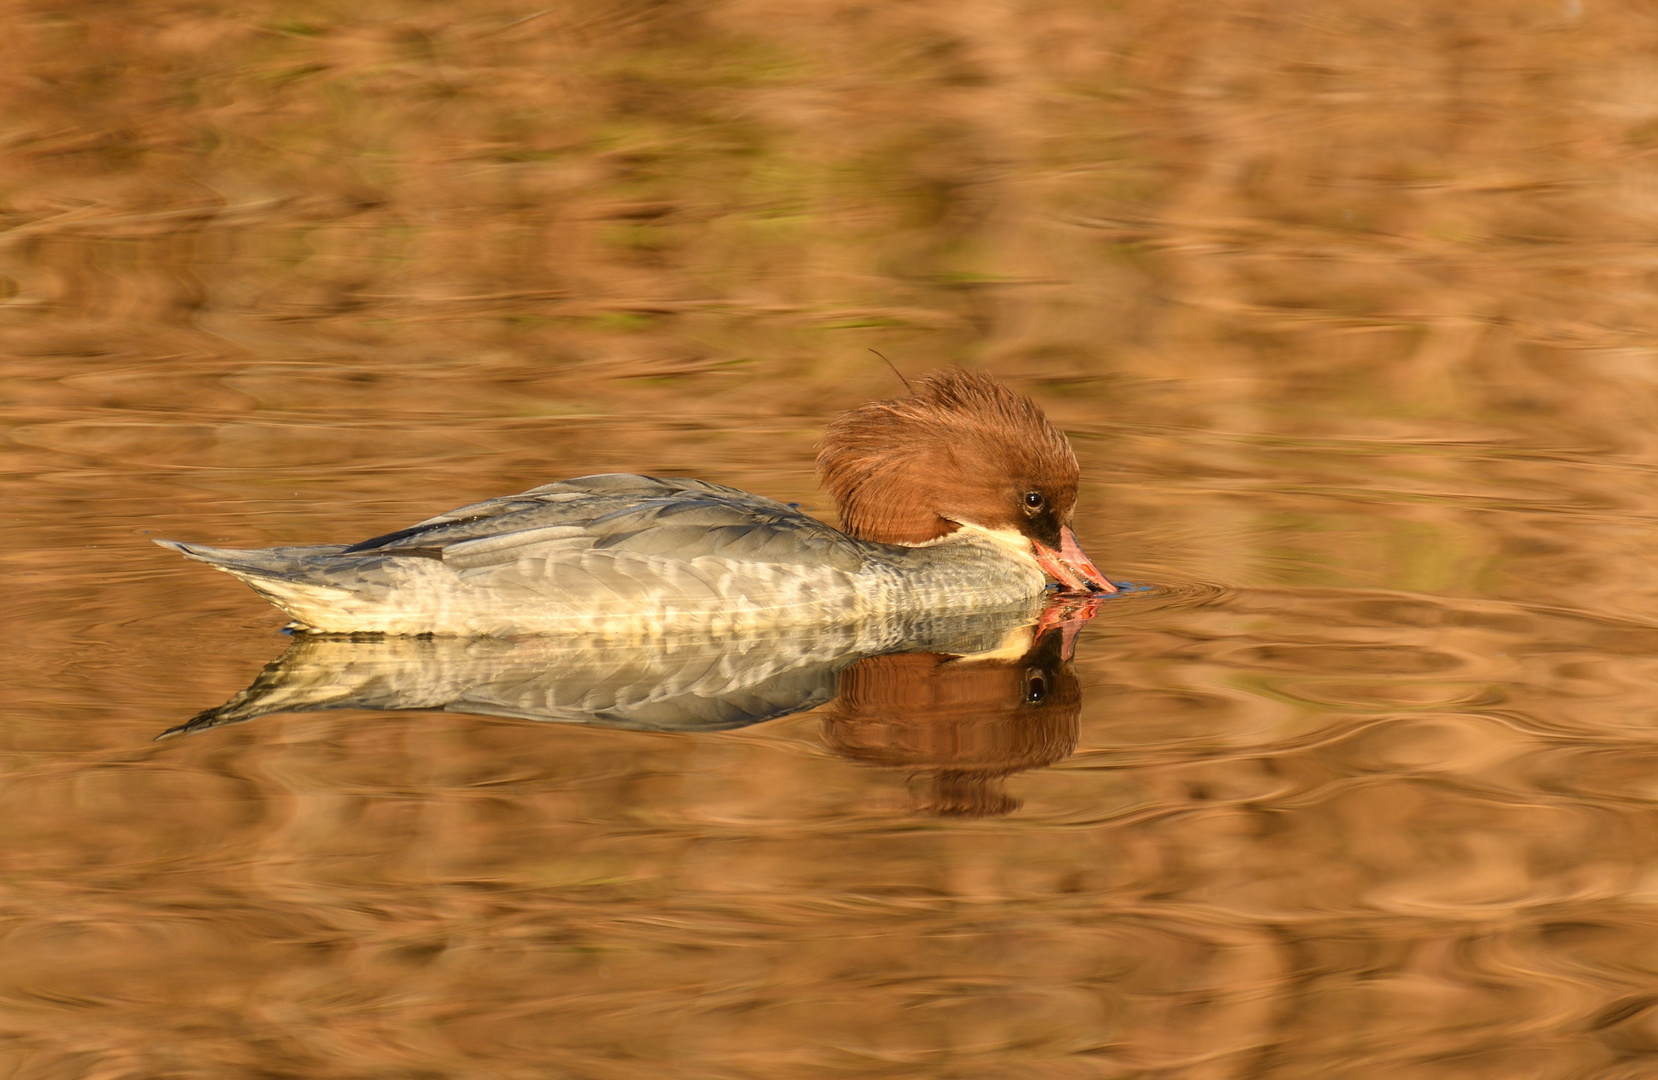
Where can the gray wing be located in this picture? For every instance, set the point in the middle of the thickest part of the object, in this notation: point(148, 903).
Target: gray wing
point(614, 554)
point(643, 515)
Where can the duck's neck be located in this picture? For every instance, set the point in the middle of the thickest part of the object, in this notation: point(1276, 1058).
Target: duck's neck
point(971, 567)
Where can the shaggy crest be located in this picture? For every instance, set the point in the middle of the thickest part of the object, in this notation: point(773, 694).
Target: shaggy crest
point(961, 449)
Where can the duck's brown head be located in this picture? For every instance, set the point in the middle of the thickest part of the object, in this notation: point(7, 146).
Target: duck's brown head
point(962, 449)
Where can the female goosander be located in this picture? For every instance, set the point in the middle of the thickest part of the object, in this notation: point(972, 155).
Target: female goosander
point(957, 497)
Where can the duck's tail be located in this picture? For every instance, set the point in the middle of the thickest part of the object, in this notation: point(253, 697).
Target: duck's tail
point(279, 563)
point(295, 579)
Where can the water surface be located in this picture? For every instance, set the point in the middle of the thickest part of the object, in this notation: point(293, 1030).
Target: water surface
point(1349, 316)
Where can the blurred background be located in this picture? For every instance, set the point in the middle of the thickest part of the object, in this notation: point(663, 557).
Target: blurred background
point(1348, 310)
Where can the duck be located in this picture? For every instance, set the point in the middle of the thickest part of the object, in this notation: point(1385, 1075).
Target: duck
point(957, 497)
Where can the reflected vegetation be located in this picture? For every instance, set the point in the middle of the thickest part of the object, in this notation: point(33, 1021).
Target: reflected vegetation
point(966, 699)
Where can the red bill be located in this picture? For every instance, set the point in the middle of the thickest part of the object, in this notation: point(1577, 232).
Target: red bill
point(1070, 567)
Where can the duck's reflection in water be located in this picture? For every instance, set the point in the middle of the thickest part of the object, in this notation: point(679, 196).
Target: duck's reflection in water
point(966, 722)
point(969, 700)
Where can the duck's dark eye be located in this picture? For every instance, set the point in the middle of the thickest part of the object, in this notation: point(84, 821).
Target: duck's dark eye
point(1033, 499)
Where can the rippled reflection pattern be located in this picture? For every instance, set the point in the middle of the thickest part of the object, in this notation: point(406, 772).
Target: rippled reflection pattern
point(995, 694)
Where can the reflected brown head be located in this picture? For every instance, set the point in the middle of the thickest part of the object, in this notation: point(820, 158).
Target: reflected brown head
point(962, 449)
point(967, 724)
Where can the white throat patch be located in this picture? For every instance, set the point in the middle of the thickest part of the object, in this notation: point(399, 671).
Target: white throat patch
point(1011, 539)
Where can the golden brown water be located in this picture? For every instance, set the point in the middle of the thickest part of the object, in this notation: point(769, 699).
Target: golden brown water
point(1349, 310)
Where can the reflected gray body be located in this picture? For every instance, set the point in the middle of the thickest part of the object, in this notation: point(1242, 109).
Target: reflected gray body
point(625, 556)
point(679, 682)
